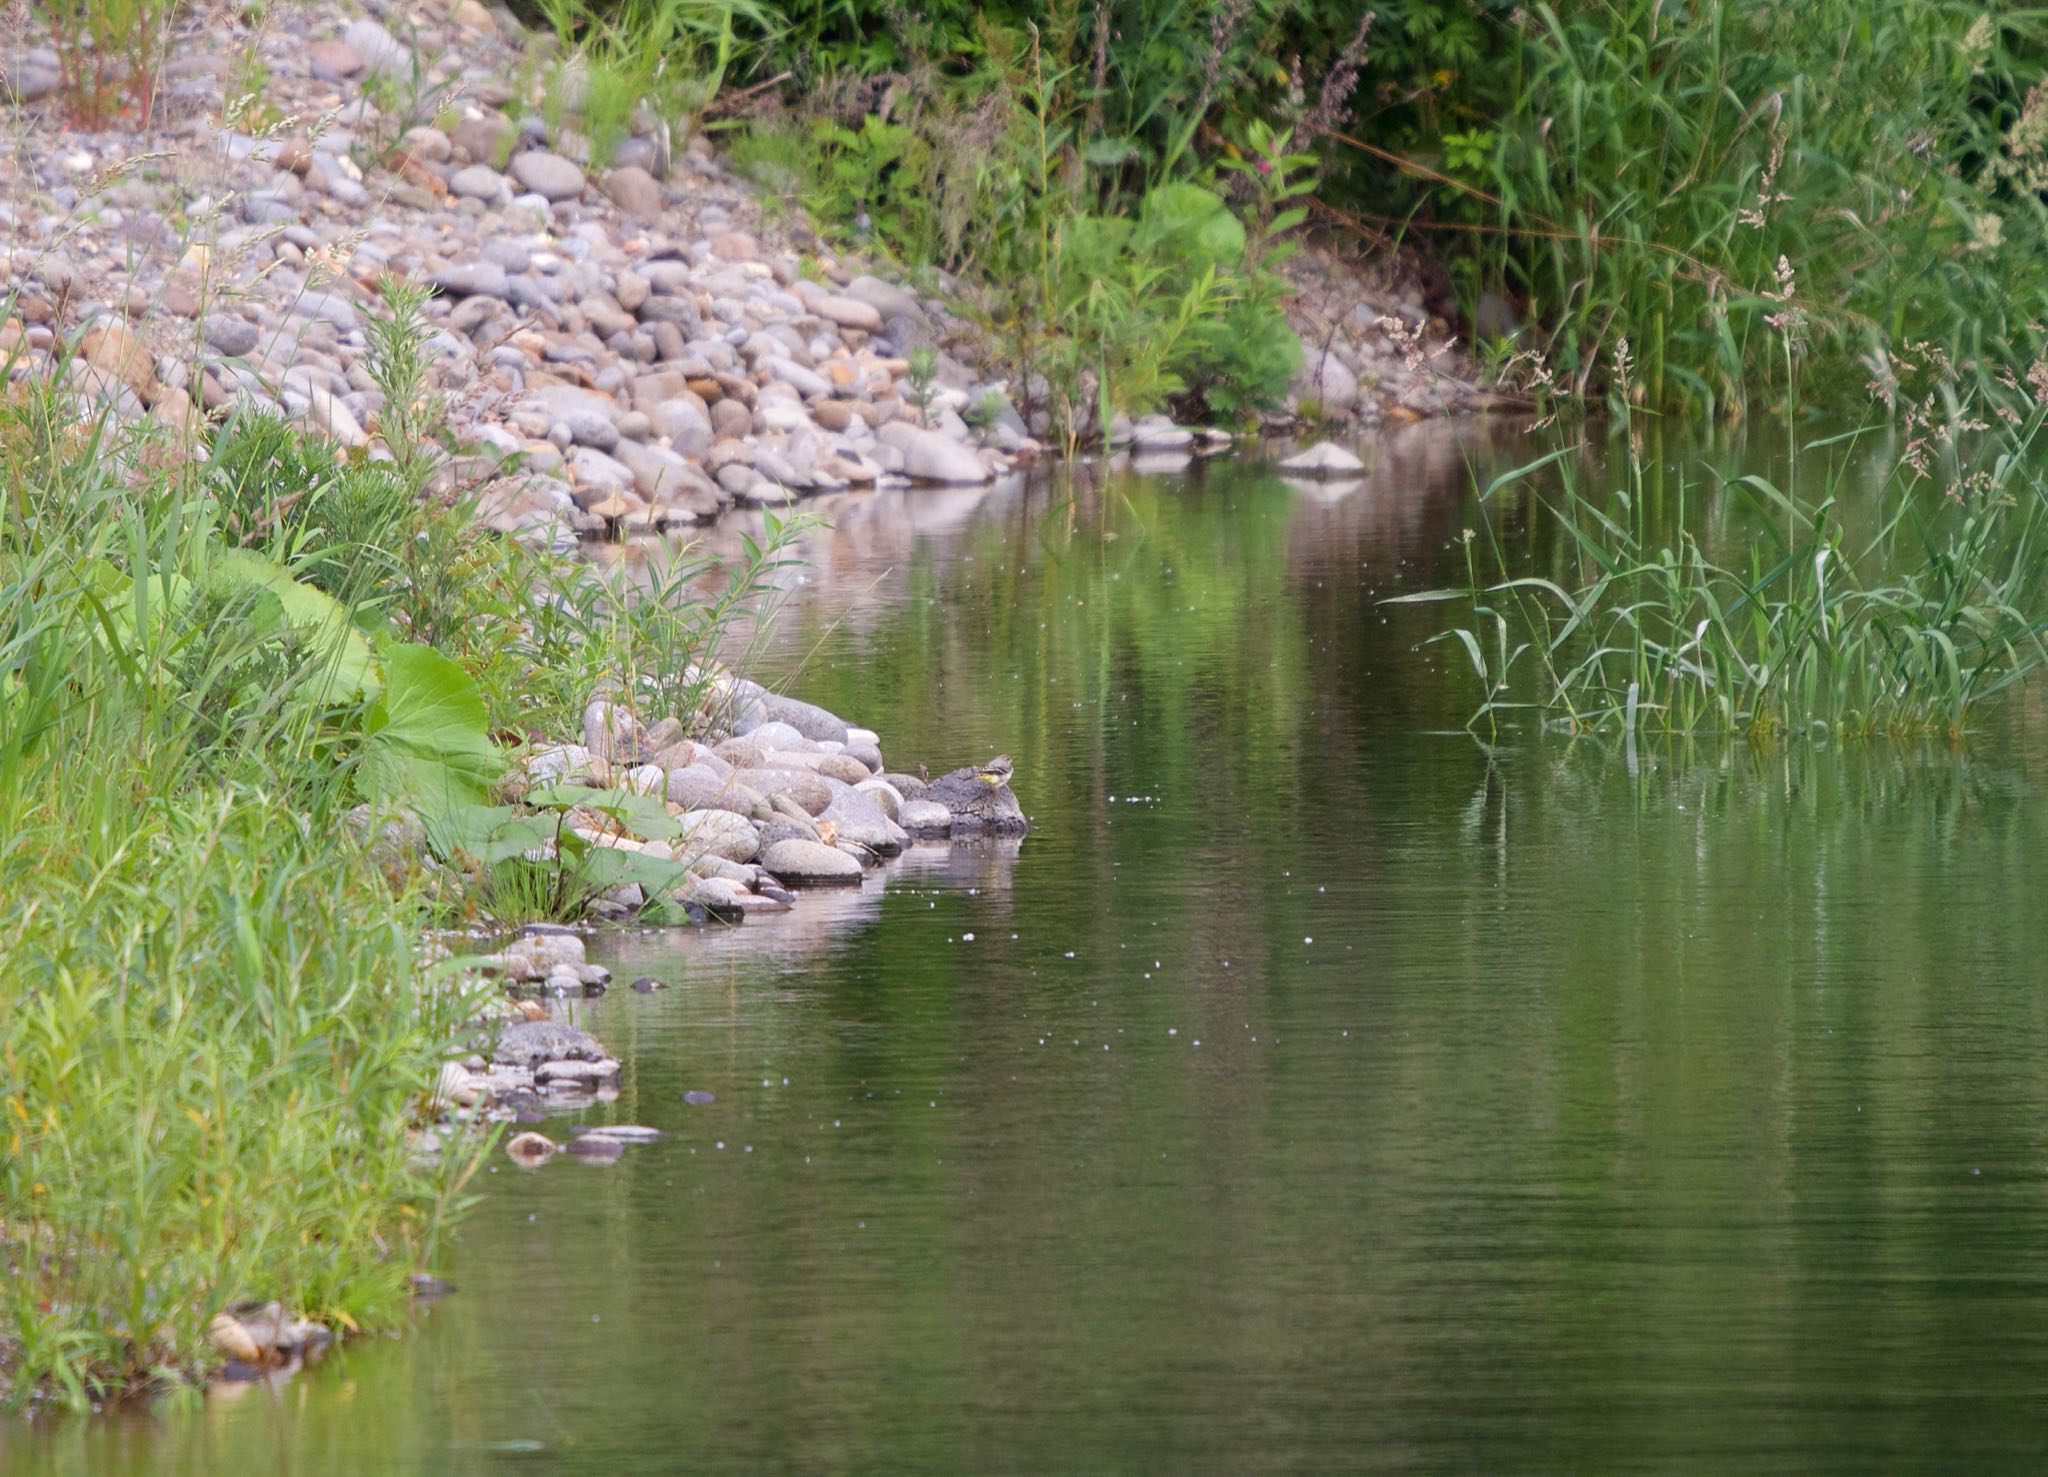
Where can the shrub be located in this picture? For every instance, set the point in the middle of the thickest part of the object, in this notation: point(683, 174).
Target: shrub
point(1611, 169)
point(107, 49)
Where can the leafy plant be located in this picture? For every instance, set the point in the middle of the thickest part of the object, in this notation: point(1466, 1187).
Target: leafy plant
point(668, 55)
point(426, 739)
point(413, 418)
point(922, 375)
point(1110, 290)
point(548, 858)
point(334, 523)
point(107, 49)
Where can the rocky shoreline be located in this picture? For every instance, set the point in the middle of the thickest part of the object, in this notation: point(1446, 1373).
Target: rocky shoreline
point(620, 350)
point(791, 798)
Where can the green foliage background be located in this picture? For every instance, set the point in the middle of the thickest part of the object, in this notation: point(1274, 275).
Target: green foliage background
point(1612, 170)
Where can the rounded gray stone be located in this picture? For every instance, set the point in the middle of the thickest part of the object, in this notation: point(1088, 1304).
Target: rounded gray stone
point(547, 175)
point(718, 833)
point(860, 819)
point(477, 182)
point(231, 336)
point(811, 864)
point(925, 818)
point(471, 279)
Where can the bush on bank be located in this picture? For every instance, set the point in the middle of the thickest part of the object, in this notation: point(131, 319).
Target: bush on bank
point(1593, 180)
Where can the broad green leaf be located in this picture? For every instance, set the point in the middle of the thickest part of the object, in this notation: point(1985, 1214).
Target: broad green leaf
point(427, 738)
point(614, 866)
point(487, 833)
point(350, 668)
point(1194, 220)
point(644, 815)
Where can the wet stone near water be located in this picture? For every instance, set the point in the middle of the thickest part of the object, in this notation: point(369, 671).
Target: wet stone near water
point(596, 1149)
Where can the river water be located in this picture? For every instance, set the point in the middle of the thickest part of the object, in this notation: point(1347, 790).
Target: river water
point(1315, 1088)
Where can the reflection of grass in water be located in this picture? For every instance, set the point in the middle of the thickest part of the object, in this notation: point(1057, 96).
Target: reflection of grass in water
point(1136, 599)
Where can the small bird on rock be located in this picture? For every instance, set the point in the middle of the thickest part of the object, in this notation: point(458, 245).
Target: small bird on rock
point(997, 771)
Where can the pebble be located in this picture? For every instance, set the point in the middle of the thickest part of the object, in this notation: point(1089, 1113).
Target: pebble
point(478, 182)
point(547, 175)
point(332, 60)
point(380, 51)
point(634, 191)
point(721, 373)
point(472, 279)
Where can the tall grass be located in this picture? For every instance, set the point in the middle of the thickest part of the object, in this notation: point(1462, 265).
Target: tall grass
point(1611, 169)
point(1633, 170)
point(668, 56)
point(1826, 621)
point(216, 1028)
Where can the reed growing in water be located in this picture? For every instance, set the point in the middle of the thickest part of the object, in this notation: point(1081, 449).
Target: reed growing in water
point(1831, 617)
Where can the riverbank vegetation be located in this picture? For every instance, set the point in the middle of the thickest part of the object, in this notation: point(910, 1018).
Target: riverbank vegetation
point(1823, 612)
point(222, 676)
point(1576, 177)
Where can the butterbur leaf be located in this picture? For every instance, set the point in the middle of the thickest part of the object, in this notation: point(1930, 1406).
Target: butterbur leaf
point(1195, 220)
point(615, 866)
point(346, 668)
point(644, 815)
point(563, 797)
point(427, 738)
point(486, 833)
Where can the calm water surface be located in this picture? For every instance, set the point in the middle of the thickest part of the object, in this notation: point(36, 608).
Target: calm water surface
point(1313, 1090)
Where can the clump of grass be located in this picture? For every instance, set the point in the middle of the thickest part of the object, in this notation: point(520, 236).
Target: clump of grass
point(108, 50)
point(1634, 171)
point(216, 1027)
point(1832, 620)
point(668, 55)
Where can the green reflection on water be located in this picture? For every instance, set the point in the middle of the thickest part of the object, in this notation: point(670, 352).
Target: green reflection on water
point(1549, 1110)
